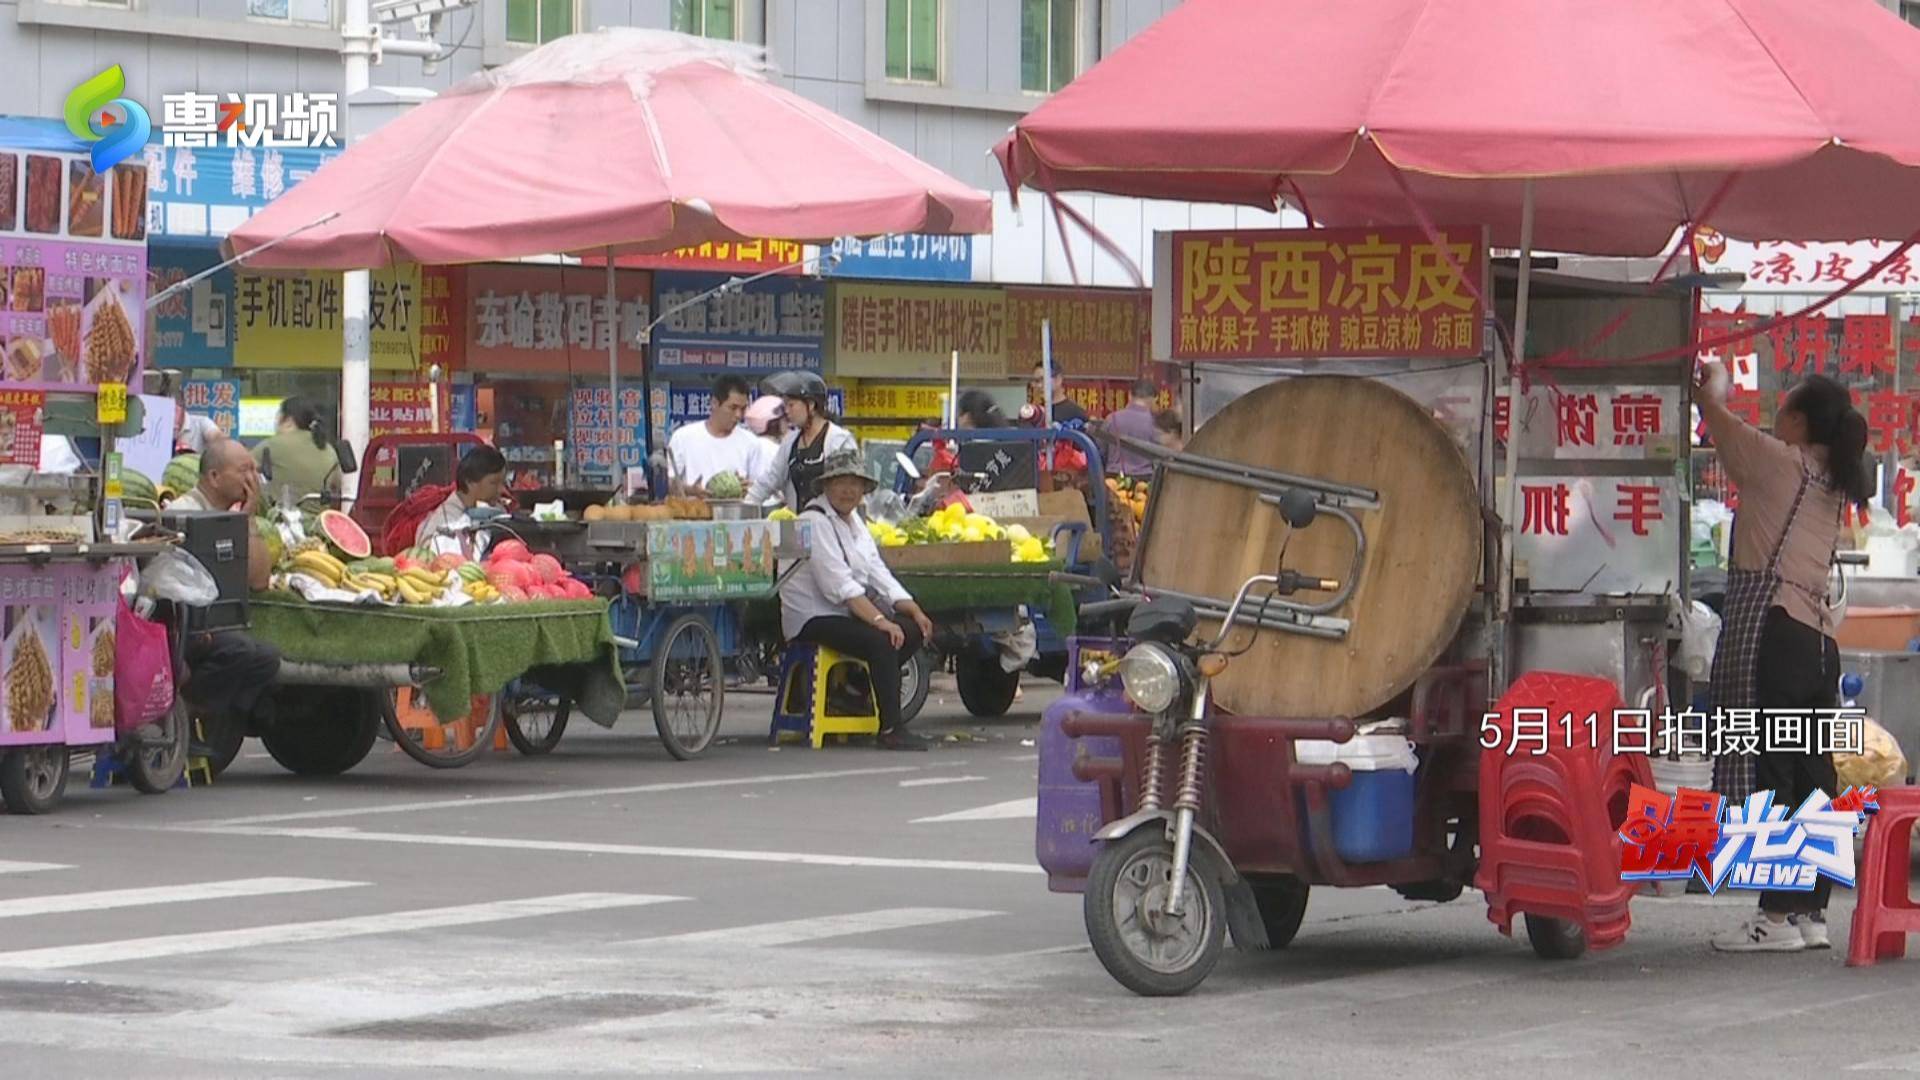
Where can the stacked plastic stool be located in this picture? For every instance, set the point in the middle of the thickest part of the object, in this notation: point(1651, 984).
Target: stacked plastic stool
point(1549, 822)
point(1885, 912)
point(801, 706)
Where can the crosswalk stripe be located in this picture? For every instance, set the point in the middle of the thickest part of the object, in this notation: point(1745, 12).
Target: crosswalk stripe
point(108, 952)
point(107, 899)
point(930, 781)
point(7, 867)
point(795, 931)
point(1017, 808)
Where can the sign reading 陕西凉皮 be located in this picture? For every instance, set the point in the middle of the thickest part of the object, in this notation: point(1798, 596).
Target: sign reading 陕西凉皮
point(1259, 294)
point(773, 324)
point(911, 331)
point(554, 319)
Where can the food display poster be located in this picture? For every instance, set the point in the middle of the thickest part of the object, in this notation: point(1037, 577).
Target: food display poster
point(711, 560)
point(73, 271)
point(87, 650)
point(20, 413)
point(30, 657)
point(607, 441)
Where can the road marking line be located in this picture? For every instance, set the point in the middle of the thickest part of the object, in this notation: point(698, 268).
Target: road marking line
point(7, 867)
point(109, 952)
point(548, 796)
point(1017, 808)
point(584, 847)
point(1023, 757)
point(929, 781)
point(792, 932)
point(107, 899)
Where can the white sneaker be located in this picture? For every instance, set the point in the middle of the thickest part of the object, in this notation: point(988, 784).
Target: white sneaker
point(1760, 934)
point(1813, 929)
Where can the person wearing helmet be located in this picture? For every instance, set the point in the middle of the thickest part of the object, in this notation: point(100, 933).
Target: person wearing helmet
point(794, 468)
point(767, 418)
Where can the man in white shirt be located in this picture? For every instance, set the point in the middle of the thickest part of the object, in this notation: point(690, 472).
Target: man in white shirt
point(477, 482)
point(719, 444)
point(836, 598)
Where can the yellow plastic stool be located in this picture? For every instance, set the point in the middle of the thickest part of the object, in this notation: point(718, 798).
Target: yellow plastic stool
point(800, 708)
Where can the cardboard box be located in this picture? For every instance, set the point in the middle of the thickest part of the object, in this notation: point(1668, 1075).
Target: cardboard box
point(938, 556)
point(1058, 508)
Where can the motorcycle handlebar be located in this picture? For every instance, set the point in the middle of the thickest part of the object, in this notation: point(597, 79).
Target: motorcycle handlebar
point(1102, 608)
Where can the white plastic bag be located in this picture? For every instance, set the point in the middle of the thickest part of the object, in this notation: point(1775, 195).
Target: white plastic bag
point(177, 576)
point(1699, 636)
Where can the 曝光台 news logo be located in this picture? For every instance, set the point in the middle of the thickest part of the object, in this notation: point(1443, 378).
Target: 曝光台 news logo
point(1728, 732)
point(269, 120)
point(1751, 846)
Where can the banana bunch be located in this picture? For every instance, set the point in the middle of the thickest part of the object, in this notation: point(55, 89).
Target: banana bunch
point(481, 591)
point(320, 565)
point(414, 586)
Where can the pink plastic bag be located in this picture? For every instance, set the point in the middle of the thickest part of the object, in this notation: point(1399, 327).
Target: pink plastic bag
point(142, 670)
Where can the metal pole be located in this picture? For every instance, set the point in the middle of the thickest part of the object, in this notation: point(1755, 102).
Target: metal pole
point(1046, 365)
point(356, 362)
point(1511, 499)
point(613, 373)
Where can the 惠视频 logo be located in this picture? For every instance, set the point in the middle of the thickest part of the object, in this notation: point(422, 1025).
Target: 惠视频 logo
point(116, 126)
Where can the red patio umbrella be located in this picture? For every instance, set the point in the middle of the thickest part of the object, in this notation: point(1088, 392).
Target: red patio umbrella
point(627, 139)
point(1629, 116)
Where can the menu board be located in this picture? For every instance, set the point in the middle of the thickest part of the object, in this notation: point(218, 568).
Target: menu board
point(73, 271)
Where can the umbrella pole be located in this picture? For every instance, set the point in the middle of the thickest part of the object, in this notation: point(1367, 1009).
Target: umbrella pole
point(1511, 498)
point(613, 371)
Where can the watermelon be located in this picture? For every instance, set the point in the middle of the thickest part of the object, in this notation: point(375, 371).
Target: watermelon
point(509, 551)
point(182, 473)
point(513, 592)
point(346, 537)
point(519, 575)
point(576, 590)
point(137, 490)
point(547, 567)
point(449, 561)
point(270, 536)
point(472, 572)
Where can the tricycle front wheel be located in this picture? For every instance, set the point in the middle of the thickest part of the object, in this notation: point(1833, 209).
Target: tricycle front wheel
point(1144, 949)
point(33, 778)
point(689, 686)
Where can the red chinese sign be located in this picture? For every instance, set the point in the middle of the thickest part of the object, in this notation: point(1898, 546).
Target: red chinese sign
point(1102, 399)
point(1097, 333)
point(443, 323)
point(1274, 293)
point(753, 256)
point(20, 412)
point(403, 408)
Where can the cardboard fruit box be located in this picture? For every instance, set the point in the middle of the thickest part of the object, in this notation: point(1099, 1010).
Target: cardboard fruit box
point(937, 556)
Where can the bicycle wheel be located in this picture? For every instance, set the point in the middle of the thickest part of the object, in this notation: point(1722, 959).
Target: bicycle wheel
point(689, 686)
point(535, 722)
point(432, 742)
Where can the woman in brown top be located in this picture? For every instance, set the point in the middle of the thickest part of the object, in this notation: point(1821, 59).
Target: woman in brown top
point(1776, 648)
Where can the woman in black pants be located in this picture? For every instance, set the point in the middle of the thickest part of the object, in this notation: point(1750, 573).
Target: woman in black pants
point(846, 599)
point(1776, 648)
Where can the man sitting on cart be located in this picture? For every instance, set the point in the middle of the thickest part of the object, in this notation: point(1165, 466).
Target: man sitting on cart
point(478, 482)
point(845, 598)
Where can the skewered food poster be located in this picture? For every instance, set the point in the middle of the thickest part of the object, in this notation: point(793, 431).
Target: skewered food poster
point(57, 654)
point(73, 271)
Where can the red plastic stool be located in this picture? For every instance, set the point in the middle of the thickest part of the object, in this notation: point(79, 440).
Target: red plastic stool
point(1884, 911)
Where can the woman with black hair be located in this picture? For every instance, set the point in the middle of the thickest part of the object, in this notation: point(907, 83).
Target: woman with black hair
point(1776, 648)
point(299, 459)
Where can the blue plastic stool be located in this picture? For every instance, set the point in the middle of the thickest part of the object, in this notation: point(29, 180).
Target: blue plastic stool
point(800, 703)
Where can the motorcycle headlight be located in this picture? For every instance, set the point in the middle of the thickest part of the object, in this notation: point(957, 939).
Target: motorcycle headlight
point(1151, 677)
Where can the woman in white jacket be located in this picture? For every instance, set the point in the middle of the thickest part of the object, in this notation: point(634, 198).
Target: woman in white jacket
point(793, 469)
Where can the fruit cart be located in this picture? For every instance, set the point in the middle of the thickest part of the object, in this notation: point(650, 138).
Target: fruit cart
point(414, 648)
point(688, 597)
point(976, 589)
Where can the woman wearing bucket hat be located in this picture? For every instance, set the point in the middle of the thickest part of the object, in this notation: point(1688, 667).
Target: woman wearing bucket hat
point(846, 599)
point(811, 438)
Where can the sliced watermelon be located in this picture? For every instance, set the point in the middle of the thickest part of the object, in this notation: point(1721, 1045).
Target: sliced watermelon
point(348, 538)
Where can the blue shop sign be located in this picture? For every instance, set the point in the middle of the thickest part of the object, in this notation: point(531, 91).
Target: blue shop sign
point(905, 257)
point(463, 407)
point(191, 328)
point(687, 404)
point(218, 399)
point(202, 193)
point(774, 324)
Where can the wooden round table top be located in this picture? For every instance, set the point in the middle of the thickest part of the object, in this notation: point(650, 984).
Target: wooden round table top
point(1423, 543)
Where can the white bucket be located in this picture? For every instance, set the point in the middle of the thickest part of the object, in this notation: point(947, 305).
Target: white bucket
point(1669, 777)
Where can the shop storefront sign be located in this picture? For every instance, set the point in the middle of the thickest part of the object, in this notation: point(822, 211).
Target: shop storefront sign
point(746, 257)
point(1097, 333)
point(443, 328)
point(908, 331)
point(1259, 294)
point(199, 194)
point(689, 403)
point(294, 319)
point(903, 257)
point(554, 319)
point(404, 407)
point(1584, 533)
point(1776, 266)
point(774, 324)
point(192, 328)
point(606, 441)
point(216, 399)
point(73, 271)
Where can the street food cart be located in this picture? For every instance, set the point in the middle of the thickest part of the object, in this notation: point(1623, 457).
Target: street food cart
point(688, 606)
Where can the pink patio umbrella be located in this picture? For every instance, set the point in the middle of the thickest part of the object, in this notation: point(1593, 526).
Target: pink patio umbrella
point(1596, 128)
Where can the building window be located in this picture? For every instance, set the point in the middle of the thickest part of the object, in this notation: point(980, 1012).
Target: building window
point(913, 40)
point(313, 12)
point(706, 18)
point(1049, 58)
point(536, 22)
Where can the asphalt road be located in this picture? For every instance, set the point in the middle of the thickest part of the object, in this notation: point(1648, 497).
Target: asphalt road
point(607, 910)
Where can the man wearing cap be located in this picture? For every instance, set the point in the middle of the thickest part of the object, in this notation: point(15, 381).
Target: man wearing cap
point(846, 599)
